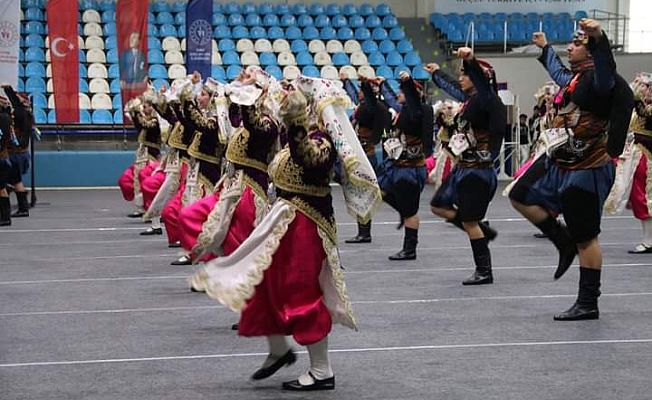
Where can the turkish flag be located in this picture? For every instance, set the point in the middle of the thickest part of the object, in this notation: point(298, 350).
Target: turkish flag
point(131, 21)
point(64, 56)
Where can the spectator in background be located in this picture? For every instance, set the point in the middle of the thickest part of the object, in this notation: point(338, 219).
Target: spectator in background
point(523, 130)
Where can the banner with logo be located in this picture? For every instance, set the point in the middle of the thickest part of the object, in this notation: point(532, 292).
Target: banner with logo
point(9, 41)
point(64, 56)
point(521, 6)
point(199, 33)
point(131, 21)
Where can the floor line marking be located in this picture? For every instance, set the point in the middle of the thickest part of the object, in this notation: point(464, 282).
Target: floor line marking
point(349, 350)
point(347, 272)
point(360, 302)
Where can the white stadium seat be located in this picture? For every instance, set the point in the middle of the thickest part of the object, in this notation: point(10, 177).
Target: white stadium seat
point(291, 72)
point(94, 42)
point(263, 45)
point(170, 43)
point(280, 46)
point(174, 57)
point(367, 71)
point(101, 101)
point(286, 58)
point(98, 85)
point(176, 71)
point(91, 16)
point(97, 70)
point(93, 29)
point(244, 45)
point(322, 58)
point(315, 46)
point(349, 71)
point(329, 72)
point(334, 46)
point(359, 58)
point(351, 46)
point(249, 58)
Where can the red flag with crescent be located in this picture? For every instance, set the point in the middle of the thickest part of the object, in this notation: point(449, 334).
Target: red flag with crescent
point(64, 56)
point(131, 21)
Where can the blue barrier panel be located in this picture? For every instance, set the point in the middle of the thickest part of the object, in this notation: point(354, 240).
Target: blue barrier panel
point(79, 168)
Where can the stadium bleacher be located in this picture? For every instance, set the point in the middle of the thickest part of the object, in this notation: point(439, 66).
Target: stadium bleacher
point(316, 40)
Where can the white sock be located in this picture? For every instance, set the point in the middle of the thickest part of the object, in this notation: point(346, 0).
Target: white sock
point(138, 202)
point(647, 232)
point(156, 222)
point(320, 367)
point(278, 346)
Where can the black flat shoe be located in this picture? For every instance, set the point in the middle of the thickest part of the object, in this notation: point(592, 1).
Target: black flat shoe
point(540, 235)
point(479, 277)
point(235, 326)
point(566, 257)
point(183, 260)
point(152, 231)
point(287, 359)
point(404, 255)
point(192, 289)
point(136, 214)
point(579, 312)
point(174, 245)
point(323, 384)
point(359, 239)
point(20, 214)
point(640, 249)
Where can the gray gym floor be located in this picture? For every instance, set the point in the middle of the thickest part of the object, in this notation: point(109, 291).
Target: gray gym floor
point(91, 310)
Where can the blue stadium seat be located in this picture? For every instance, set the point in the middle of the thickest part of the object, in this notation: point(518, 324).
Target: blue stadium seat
point(270, 20)
point(230, 58)
point(35, 84)
point(412, 59)
point(267, 58)
point(85, 117)
point(240, 32)
point(385, 72)
point(376, 59)
point(339, 21)
point(180, 6)
point(265, 8)
point(379, 34)
point(500, 17)
point(333, 9)
point(180, 18)
point(21, 85)
point(40, 117)
point(83, 85)
point(309, 33)
point(292, 33)
point(217, 72)
point(288, 20)
point(110, 29)
point(34, 40)
point(34, 54)
point(114, 71)
point(164, 18)
point(386, 46)
point(31, 3)
point(362, 34)
point(117, 116)
point(35, 27)
point(157, 71)
point(396, 34)
point(298, 9)
point(222, 32)
point(349, 9)
point(257, 32)
point(316, 9)
point(468, 17)
point(275, 32)
point(88, 5)
point(52, 117)
point(236, 20)
point(152, 30)
point(218, 19)
point(356, 21)
point(114, 86)
point(21, 55)
point(111, 42)
point(155, 56)
point(304, 58)
point(161, 6)
point(372, 21)
point(151, 18)
point(158, 84)
point(311, 71)
point(532, 16)
point(247, 8)
point(390, 21)
point(394, 84)
point(327, 33)
point(298, 46)
point(305, 20)
point(253, 20)
point(339, 59)
point(365, 9)
point(399, 69)
point(403, 46)
point(344, 34)
point(383, 9)
point(112, 56)
point(232, 72)
point(21, 70)
point(517, 36)
point(39, 100)
point(226, 45)
point(82, 56)
point(102, 117)
point(322, 21)
point(107, 5)
point(117, 99)
point(230, 8)
point(281, 9)
point(394, 58)
point(167, 30)
point(181, 31)
point(83, 72)
point(274, 71)
point(369, 46)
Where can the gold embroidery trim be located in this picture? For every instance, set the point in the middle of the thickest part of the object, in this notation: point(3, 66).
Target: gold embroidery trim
point(236, 151)
point(287, 175)
point(328, 226)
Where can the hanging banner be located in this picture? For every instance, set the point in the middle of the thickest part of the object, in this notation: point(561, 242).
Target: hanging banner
point(199, 33)
point(9, 41)
point(64, 58)
point(522, 6)
point(131, 21)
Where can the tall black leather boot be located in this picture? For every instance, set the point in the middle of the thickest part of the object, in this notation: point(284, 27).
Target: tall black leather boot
point(409, 251)
point(363, 236)
point(586, 305)
point(5, 211)
point(561, 238)
point(482, 258)
point(23, 206)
